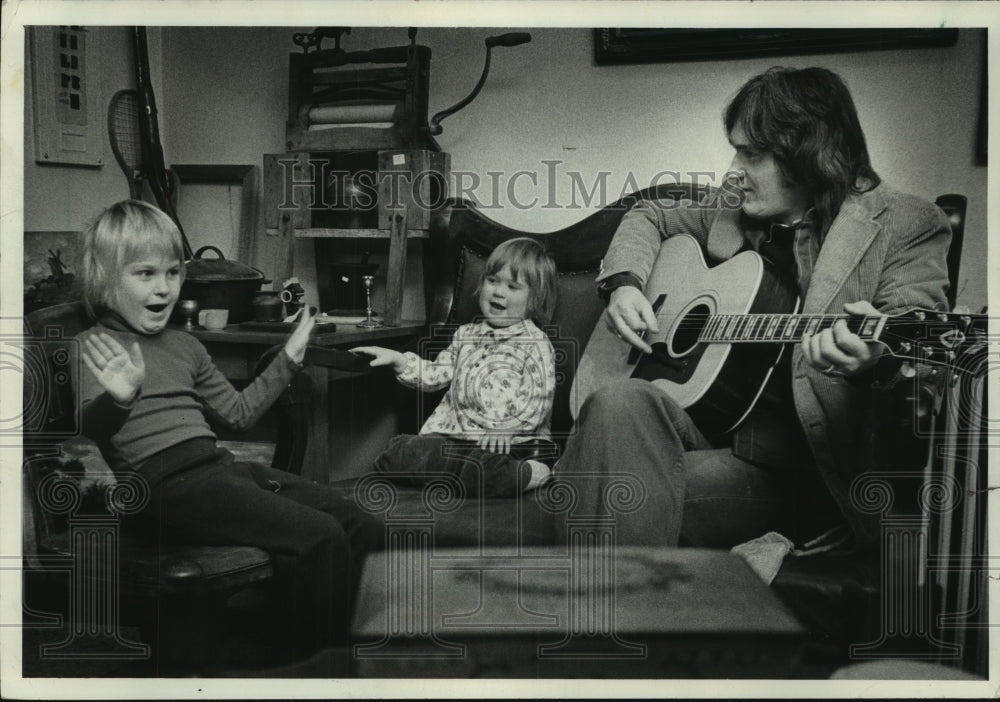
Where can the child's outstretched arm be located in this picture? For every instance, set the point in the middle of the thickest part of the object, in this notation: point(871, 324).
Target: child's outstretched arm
point(383, 357)
point(295, 347)
point(413, 371)
point(118, 371)
point(242, 409)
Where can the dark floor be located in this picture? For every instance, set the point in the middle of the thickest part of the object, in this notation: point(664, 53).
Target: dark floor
point(252, 647)
point(250, 652)
point(244, 658)
point(253, 642)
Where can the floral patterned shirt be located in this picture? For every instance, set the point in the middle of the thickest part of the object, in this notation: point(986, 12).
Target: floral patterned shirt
point(500, 380)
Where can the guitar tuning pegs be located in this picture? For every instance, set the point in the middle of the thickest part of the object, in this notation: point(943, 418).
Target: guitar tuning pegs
point(906, 347)
point(921, 315)
point(942, 316)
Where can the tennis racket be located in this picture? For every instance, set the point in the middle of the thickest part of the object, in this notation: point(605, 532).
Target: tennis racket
point(149, 135)
point(126, 141)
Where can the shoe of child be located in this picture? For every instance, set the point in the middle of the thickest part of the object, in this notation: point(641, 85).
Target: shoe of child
point(540, 474)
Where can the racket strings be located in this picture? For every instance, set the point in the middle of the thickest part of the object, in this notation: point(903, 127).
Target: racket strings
point(125, 135)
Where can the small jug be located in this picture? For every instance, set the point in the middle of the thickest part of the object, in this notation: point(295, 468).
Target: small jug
point(267, 307)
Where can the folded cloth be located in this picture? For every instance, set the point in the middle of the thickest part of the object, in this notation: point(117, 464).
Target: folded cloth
point(766, 553)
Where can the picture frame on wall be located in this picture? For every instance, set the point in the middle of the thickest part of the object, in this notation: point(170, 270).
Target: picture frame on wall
point(68, 100)
point(654, 45)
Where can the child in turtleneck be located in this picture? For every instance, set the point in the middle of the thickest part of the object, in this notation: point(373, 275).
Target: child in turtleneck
point(144, 397)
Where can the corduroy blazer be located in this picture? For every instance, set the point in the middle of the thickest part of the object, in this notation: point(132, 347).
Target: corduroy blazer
point(884, 247)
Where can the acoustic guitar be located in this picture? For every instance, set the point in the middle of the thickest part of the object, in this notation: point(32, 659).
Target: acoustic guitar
point(723, 330)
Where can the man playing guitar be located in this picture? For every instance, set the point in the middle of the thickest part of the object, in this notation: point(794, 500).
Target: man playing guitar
point(802, 194)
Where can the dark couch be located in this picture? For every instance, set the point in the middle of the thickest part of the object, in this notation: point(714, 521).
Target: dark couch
point(839, 596)
point(463, 239)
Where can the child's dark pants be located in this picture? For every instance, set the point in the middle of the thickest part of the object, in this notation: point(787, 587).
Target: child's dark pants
point(317, 538)
point(418, 459)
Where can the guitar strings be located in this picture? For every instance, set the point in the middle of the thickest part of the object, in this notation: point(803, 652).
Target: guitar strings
point(924, 349)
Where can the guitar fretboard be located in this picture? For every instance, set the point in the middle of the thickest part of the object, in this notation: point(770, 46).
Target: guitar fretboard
point(782, 328)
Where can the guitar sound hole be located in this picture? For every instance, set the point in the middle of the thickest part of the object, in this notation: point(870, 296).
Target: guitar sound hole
point(689, 329)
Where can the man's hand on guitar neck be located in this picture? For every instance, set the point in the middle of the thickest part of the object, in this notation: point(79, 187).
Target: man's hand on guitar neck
point(630, 315)
point(837, 351)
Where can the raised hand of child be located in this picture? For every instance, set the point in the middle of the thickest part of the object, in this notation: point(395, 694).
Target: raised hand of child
point(295, 347)
point(382, 357)
point(118, 371)
point(497, 442)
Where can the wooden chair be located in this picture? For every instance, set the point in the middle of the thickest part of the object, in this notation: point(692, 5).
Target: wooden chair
point(177, 594)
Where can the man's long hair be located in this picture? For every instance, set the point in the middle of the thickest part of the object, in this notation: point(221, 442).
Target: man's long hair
point(806, 118)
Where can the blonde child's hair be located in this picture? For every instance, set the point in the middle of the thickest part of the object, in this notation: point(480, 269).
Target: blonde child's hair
point(118, 236)
point(531, 264)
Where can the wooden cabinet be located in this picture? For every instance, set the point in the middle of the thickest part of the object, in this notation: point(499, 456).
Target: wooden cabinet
point(379, 194)
point(361, 161)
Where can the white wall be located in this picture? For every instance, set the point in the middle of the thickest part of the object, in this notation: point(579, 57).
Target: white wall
point(58, 198)
point(226, 101)
point(223, 100)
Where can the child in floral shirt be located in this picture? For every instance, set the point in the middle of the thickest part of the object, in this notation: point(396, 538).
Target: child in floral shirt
point(500, 374)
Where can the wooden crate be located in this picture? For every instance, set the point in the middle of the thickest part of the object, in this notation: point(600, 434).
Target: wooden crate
point(400, 188)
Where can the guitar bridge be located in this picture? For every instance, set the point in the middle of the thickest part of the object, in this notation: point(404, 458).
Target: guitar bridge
point(659, 364)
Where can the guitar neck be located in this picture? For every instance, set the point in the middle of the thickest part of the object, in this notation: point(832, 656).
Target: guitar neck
point(783, 328)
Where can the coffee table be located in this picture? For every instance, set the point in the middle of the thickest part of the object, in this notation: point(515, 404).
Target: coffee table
point(595, 611)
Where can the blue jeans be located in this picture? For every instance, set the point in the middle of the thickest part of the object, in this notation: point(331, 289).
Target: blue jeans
point(692, 493)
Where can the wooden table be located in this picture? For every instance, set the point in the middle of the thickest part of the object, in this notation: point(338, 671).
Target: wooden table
point(235, 353)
